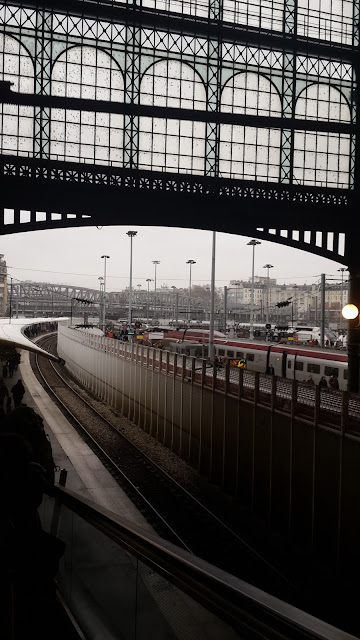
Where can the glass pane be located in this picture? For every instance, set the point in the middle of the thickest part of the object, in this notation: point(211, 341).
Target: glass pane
point(114, 596)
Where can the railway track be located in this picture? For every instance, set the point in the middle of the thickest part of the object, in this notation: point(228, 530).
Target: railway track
point(172, 511)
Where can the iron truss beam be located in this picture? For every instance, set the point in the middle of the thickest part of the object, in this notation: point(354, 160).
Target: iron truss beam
point(30, 186)
point(138, 15)
point(61, 295)
point(101, 106)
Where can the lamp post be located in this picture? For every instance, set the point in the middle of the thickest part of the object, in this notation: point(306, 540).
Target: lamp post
point(11, 292)
point(131, 235)
point(190, 263)
point(176, 295)
point(342, 269)
point(252, 244)
point(155, 263)
point(104, 292)
point(212, 301)
point(268, 267)
point(148, 280)
point(101, 282)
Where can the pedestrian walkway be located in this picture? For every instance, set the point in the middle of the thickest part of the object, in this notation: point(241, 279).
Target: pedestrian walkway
point(87, 476)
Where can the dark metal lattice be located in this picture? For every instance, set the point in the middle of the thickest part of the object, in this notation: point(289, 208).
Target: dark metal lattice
point(238, 92)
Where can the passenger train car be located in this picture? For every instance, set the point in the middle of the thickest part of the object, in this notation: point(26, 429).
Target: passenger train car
point(288, 362)
point(296, 363)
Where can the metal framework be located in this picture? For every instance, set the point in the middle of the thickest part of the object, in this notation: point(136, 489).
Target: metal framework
point(57, 298)
point(182, 109)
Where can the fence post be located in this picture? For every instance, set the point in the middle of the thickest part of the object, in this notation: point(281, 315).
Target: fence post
point(256, 397)
point(294, 387)
point(273, 404)
point(203, 376)
point(212, 418)
point(173, 401)
point(344, 414)
point(226, 391)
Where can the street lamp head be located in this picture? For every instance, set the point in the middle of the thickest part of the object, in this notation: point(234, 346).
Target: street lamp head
point(190, 262)
point(350, 311)
point(268, 266)
point(131, 234)
point(156, 261)
point(149, 280)
point(254, 242)
point(105, 256)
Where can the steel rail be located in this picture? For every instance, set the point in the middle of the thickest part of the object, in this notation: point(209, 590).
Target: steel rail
point(103, 452)
point(178, 486)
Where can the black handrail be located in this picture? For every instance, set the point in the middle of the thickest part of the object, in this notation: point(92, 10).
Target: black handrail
point(248, 609)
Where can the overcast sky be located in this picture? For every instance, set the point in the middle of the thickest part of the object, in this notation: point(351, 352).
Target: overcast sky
point(73, 256)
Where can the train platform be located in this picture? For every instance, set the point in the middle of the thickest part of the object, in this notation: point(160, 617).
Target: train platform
point(86, 475)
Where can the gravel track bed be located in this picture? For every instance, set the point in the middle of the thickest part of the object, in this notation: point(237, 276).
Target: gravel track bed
point(205, 536)
point(319, 592)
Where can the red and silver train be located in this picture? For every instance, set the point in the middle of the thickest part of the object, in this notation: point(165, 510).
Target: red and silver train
point(296, 363)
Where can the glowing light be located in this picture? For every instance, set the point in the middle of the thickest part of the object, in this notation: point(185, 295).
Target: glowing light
point(350, 311)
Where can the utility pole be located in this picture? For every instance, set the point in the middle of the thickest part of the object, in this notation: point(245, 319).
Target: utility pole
point(131, 235)
point(322, 325)
point(212, 301)
point(10, 307)
point(342, 269)
point(155, 263)
point(225, 306)
point(268, 267)
point(253, 244)
point(148, 280)
point(190, 263)
point(104, 292)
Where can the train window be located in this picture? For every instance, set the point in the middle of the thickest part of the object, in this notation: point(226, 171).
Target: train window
point(313, 368)
point(289, 364)
point(240, 355)
point(250, 357)
point(299, 366)
point(221, 352)
point(332, 371)
point(345, 374)
point(230, 354)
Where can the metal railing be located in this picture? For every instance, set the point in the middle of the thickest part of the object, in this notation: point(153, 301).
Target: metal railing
point(339, 410)
point(238, 609)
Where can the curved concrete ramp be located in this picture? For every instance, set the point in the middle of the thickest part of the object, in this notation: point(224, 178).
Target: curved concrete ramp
point(12, 333)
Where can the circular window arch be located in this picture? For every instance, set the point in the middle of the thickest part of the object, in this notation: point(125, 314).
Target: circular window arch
point(322, 101)
point(88, 73)
point(322, 158)
point(172, 144)
point(250, 153)
point(171, 83)
point(16, 122)
point(252, 94)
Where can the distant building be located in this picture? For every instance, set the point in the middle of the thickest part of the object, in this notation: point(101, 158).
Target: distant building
point(3, 285)
point(305, 299)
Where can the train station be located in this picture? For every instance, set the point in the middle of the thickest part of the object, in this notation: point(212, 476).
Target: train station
point(179, 320)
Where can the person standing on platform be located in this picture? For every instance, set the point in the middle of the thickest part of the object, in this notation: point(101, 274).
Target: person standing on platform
point(3, 393)
point(11, 368)
point(18, 391)
point(333, 382)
